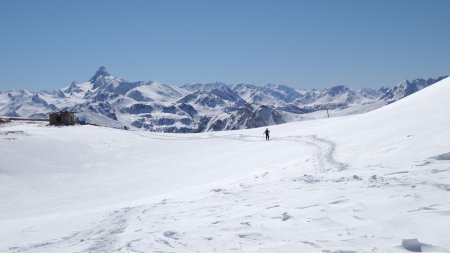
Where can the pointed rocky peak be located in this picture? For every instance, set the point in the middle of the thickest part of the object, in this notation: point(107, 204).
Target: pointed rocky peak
point(73, 85)
point(403, 83)
point(100, 72)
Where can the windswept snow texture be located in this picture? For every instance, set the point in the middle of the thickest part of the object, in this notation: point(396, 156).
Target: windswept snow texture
point(361, 183)
point(113, 102)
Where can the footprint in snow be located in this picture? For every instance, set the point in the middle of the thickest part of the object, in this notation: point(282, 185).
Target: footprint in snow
point(250, 235)
point(274, 206)
point(285, 216)
point(171, 234)
point(310, 244)
point(338, 201)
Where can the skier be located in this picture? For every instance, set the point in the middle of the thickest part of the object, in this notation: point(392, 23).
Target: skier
point(267, 133)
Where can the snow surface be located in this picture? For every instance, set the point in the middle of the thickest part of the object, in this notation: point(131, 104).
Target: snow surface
point(359, 183)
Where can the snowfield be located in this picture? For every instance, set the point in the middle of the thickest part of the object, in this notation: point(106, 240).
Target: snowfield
point(373, 182)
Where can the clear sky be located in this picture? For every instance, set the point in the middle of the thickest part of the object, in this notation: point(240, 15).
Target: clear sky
point(312, 44)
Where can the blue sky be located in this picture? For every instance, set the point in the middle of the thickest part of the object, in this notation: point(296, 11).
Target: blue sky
point(311, 44)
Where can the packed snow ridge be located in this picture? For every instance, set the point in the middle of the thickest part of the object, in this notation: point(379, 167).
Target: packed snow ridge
point(110, 101)
point(375, 182)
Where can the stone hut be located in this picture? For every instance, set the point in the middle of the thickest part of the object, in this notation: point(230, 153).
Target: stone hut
point(63, 118)
point(3, 121)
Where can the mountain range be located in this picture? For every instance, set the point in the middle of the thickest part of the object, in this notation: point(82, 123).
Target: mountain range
point(111, 101)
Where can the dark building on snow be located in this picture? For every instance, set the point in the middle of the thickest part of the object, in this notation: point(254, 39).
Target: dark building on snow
point(63, 118)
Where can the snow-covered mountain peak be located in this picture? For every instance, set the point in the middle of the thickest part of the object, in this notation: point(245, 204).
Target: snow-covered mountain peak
point(336, 90)
point(205, 86)
point(99, 73)
point(155, 91)
point(104, 80)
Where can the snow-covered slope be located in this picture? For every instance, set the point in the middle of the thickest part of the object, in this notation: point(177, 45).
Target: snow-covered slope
point(361, 183)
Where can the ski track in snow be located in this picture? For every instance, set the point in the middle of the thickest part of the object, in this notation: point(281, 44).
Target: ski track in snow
point(324, 149)
point(103, 236)
point(99, 238)
point(249, 215)
point(324, 154)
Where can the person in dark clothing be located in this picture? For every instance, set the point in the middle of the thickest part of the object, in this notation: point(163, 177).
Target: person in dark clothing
point(267, 133)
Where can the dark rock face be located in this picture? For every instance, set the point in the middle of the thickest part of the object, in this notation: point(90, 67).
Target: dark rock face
point(295, 109)
point(187, 109)
point(138, 96)
point(248, 116)
point(104, 109)
point(170, 109)
point(38, 100)
point(138, 109)
point(165, 121)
